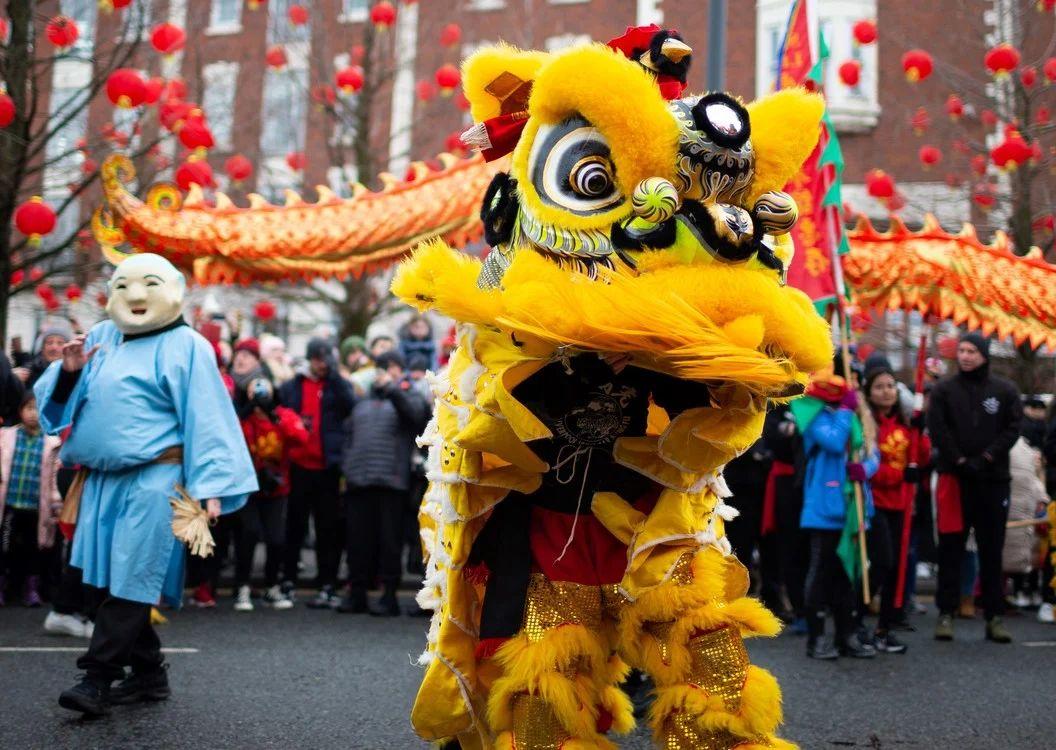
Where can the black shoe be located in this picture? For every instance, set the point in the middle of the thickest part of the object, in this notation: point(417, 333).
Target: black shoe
point(325, 599)
point(89, 697)
point(354, 603)
point(888, 644)
point(904, 625)
point(852, 646)
point(822, 648)
point(386, 606)
point(153, 686)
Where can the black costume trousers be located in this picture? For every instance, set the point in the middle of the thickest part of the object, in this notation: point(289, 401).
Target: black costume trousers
point(123, 637)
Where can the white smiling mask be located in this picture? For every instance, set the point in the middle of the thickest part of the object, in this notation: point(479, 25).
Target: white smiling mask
point(146, 293)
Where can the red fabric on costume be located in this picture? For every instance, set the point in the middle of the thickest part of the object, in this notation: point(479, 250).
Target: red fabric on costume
point(309, 455)
point(270, 443)
point(948, 505)
point(895, 441)
point(504, 132)
point(777, 469)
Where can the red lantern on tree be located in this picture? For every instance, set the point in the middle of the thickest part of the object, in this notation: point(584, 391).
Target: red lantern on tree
point(7, 110)
point(175, 88)
point(1001, 60)
point(979, 163)
point(264, 311)
point(35, 218)
point(36, 273)
point(1049, 69)
point(88, 167)
point(850, 73)
point(984, 197)
point(988, 118)
point(62, 31)
point(167, 38)
point(238, 168)
point(108, 6)
point(74, 292)
point(45, 293)
point(275, 57)
point(324, 95)
point(195, 134)
point(451, 35)
point(298, 15)
point(350, 79)
point(383, 15)
point(154, 87)
point(1012, 153)
point(954, 107)
point(296, 161)
point(1046, 6)
point(126, 88)
point(864, 31)
point(173, 113)
point(917, 65)
point(194, 172)
point(920, 121)
point(424, 90)
point(448, 78)
point(1028, 76)
point(929, 156)
point(879, 184)
point(17, 277)
point(1043, 116)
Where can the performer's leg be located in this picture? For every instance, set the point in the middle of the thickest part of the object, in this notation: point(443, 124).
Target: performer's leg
point(688, 634)
point(117, 627)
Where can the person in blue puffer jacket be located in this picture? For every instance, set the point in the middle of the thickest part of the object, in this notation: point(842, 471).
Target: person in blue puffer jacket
point(832, 435)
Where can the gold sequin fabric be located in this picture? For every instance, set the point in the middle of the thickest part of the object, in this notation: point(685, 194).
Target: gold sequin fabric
point(720, 665)
point(682, 733)
point(551, 604)
point(661, 631)
point(535, 726)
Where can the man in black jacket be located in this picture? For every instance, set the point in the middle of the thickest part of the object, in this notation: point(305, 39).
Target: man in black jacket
point(974, 420)
point(323, 399)
point(380, 435)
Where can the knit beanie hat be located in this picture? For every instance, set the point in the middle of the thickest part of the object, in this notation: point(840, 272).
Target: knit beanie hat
point(249, 345)
point(352, 343)
point(979, 341)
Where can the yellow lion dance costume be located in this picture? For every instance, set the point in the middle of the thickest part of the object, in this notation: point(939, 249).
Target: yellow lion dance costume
point(616, 349)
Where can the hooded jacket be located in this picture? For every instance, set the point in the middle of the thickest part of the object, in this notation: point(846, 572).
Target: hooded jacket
point(380, 435)
point(336, 404)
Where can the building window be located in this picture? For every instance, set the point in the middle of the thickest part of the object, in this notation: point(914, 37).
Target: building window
point(284, 116)
point(569, 2)
point(63, 159)
point(565, 41)
point(353, 11)
point(280, 30)
point(225, 16)
point(218, 101)
point(853, 110)
point(485, 4)
point(83, 12)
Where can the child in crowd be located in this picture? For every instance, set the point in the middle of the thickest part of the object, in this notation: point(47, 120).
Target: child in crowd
point(29, 501)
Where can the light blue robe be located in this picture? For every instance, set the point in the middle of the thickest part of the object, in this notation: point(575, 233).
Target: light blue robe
point(134, 400)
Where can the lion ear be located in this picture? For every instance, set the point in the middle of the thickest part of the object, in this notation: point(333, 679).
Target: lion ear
point(785, 129)
point(497, 80)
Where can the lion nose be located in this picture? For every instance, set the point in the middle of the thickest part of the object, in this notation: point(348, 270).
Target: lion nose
point(655, 200)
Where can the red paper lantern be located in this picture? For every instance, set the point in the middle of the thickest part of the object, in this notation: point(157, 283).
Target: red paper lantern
point(45, 292)
point(979, 164)
point(88, 167)
point(424, 90)
point(167, 38)
point(275, 57)
point(953, 180)
point(17, 277)
point(451, 35)
point(1046, 6)
point(357, 53)
point(1043, 116)
point(323, 94)
point(62, 31)
point(296, 161)
point(73, 292)
point(917, 65)
point(1001, 60)
point(864, 31)
point(984, 197)
point(929, 156)
point(173, 113)
point(988, 118)
point(850, 73)
point(195, 134)
point(7, 110)
point(238, 168)
point(1049, 69)
point(264, 311)
point(879, 184)
point(154, 87)
point(4, 28)
point(920, 121)
point(954, 107)
point(36, 273)
point(448, 78)
point(298, 15)
point(350, 79)
point(194, 172)
point(175, 88)
point(1012, 153)
point(383, 15)
point(1028, 76)
point(35, 218)
point(126, 88)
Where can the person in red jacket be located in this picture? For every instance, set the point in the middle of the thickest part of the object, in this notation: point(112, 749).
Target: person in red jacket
point(903, 447)
point(270, 430)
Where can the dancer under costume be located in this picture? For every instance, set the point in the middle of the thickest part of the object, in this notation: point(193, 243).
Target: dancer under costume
point(617, 347)
point(149, 413)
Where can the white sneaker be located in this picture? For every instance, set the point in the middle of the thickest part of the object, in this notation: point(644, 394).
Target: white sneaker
point(57, 624)
point(1021, 600)
point(924, 571)
point(276, 599)
point(89, 629)
point(1046, 613)
point(243, 600)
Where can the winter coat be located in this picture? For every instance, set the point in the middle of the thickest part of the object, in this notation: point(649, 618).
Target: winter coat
point(335, 407)
point(380, 435)
point(1021, 545)
point(972, 414)
point(894, 441)
point(11, 391)
point(50, 499)
point(825, 487)
point(269, 440)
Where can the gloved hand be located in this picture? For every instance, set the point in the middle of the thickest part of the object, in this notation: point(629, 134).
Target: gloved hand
point(969, 467)
point(850, 400)
point(911, 475)
point(856, 472)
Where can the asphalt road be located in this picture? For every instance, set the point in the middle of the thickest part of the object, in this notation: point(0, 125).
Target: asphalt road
point(308, 679)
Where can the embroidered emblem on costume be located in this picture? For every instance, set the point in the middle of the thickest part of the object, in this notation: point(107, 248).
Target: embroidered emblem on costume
point(599, 421)
point(991, 405)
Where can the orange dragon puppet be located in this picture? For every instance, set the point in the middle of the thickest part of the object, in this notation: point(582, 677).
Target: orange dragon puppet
point(617, 347)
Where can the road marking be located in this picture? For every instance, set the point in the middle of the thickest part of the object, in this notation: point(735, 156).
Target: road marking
point(75, 650)
point(1039, 644)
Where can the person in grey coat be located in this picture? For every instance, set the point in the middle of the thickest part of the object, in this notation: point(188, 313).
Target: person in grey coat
point(379, 442)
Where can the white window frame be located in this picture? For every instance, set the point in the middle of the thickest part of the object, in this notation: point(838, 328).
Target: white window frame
point(484, 5)
point(358, 14)
point(566, 41)
point(220, 26)
point(222, 73)
point(854, 110)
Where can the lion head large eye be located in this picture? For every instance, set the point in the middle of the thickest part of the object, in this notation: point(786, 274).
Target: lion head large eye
point(570, 168)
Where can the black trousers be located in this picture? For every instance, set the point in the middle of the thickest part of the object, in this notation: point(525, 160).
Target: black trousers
point(745, 535)
point(793, 544)
point(19, 552)
point(411, 532)
point(261, 519)
point(123, 637)
point(885, 545)
point(984, 507)
point(375, 523)
point(72, 597)
point(827, 585)
point(314, 493)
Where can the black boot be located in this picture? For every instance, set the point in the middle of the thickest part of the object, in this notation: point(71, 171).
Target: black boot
point(822, 648)
point(152, 686)
point(852, 646)
point(355, 602)
point(90, 696)
point(387, 605)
